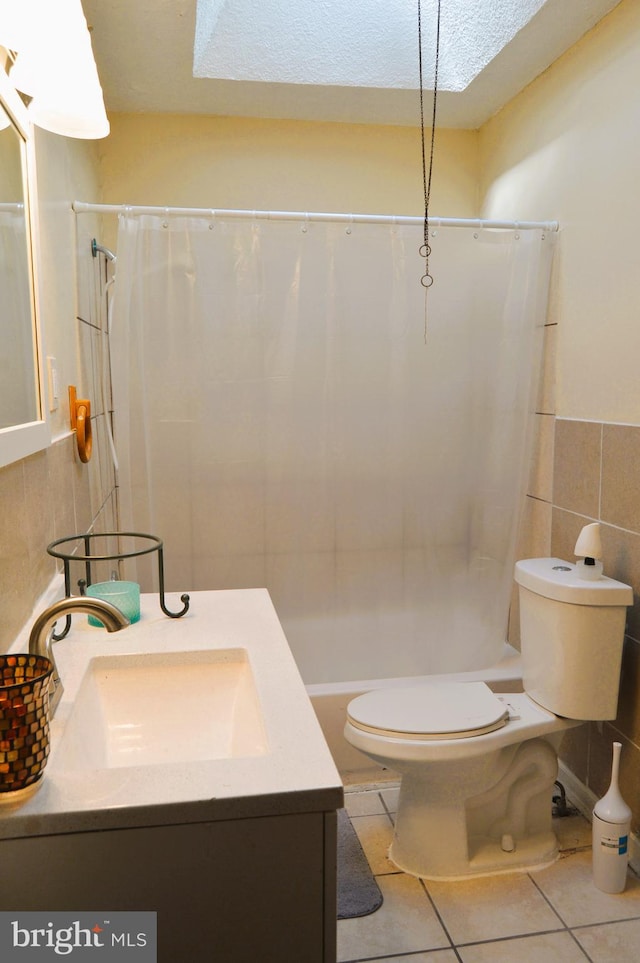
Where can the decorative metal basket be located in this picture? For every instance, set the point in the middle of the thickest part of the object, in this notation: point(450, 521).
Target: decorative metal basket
point(24, 719)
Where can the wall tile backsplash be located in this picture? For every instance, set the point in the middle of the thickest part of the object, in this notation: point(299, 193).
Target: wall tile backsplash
point(52, 494)
point(595, 476)
point(43, 498)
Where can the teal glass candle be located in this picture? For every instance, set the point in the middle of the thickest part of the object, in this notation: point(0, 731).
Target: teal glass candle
point(124, 595)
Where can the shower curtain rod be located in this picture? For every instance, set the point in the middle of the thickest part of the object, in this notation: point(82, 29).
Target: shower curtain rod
point(80, 207)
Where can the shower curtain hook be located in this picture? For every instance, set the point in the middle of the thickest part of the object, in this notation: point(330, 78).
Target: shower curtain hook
point(305, 226)
point(348, 231)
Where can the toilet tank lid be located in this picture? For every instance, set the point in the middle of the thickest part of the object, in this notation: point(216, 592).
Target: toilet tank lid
point(556, 579)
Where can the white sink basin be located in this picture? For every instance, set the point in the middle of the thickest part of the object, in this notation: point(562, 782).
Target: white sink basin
point(176, 707)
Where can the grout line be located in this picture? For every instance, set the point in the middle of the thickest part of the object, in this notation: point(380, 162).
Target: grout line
point(402, 955)
point(600, 466)
point(385, 807)
point(525, 936)
point(386, 810)
point(591, 926)
point(439, 918)
point(397, 956)
point(552, 907)
point(569, 511)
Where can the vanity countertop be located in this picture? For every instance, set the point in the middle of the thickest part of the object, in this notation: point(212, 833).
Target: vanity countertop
point(296, 775)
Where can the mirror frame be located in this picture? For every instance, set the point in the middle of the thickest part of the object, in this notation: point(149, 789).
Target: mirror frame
point(19, 441)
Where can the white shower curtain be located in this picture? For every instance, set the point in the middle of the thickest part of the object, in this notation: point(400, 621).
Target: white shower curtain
point(281, 422)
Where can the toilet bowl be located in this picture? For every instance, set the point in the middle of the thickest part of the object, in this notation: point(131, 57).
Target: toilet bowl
point(475, 796)
point(478, 768)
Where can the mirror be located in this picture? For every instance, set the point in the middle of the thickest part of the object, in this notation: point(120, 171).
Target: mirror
point(18, 399)
point(23, 426)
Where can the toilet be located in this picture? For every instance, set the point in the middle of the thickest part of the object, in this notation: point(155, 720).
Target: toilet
point(478, 768)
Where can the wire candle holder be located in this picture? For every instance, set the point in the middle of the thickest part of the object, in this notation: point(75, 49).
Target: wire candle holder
point(78, 548)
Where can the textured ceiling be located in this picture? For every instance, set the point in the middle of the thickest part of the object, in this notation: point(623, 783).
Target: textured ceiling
point(360, 43)
point(352, 61)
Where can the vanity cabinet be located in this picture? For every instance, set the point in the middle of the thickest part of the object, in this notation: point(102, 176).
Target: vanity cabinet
point(255, 890)
point(230, 839)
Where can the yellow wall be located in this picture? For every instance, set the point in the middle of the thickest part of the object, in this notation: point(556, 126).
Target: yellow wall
point(568, 147)
point(238, 163)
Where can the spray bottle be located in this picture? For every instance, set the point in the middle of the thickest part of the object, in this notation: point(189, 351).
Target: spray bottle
point(611, 827)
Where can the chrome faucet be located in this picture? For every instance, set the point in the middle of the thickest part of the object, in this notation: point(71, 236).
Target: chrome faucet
point(40, 636)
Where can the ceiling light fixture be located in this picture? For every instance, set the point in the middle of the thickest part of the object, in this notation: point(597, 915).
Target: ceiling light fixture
point(54, 66)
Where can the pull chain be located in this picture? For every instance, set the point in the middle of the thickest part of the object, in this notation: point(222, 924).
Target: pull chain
point(425, 249)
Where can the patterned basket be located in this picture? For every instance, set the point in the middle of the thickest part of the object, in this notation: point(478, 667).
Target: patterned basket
point(24, 719)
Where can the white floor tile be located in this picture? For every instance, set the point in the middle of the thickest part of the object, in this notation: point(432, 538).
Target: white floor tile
point(612, 942)
point(390, 797)
point(363, 803)
point(495, 919)
point(375, 834)
point(573, 832)
point(405, 923)
point(554, 947)
point(431, 956)
point(492, 907)
point(568, 885)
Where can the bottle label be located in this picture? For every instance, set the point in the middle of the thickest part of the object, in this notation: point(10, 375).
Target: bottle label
point(616, 845)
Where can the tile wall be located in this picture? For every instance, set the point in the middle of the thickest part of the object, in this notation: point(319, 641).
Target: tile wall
point(585, 471)
point(53, 494)
point(596, 472)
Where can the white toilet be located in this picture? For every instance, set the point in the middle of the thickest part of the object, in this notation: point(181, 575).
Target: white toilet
point(478, 768)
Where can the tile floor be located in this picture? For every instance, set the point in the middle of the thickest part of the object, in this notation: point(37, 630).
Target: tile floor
point(553, 915)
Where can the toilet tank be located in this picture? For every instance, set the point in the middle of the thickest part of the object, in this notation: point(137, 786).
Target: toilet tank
point(571, 633)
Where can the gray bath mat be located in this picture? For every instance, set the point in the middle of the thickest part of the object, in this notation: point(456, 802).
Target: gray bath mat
point(358, 892)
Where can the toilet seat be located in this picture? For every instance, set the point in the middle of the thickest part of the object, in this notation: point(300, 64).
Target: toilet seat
point(447, 710)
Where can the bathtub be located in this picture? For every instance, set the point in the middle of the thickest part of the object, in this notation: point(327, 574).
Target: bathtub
point(330, 702)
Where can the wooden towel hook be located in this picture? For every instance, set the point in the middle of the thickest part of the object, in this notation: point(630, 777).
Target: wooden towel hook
point(80, 413)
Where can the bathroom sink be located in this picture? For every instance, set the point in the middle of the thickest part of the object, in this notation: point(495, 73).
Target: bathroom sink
point(159, 708)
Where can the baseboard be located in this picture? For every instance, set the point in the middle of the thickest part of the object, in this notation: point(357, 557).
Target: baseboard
point(584, 799)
